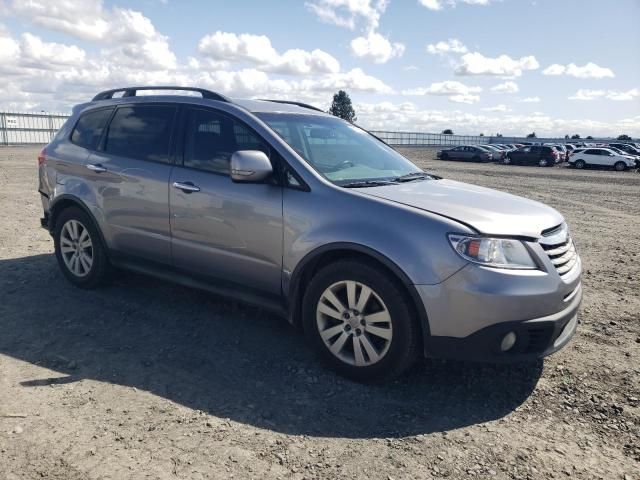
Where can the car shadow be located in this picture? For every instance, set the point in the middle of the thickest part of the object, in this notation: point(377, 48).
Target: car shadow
point(229, 360)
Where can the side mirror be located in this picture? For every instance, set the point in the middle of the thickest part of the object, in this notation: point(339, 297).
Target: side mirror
point(250, 166)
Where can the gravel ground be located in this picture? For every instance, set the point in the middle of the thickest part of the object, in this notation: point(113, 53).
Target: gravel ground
point(144, 379)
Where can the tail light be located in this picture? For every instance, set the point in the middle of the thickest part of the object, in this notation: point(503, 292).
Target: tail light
point(42, 156)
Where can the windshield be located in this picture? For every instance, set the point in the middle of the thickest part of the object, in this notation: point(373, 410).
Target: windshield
point(340, 151)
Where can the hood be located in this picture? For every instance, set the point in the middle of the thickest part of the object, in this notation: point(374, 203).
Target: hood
point(487, 211)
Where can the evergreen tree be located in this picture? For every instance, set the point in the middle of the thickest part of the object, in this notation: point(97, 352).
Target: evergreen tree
point(341, 107)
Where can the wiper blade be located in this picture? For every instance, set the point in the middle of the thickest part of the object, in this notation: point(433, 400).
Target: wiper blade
point(409, 177)
point(367, 183)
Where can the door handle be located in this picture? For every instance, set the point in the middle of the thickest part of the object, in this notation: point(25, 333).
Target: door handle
point(186, 187)
point(96, 168)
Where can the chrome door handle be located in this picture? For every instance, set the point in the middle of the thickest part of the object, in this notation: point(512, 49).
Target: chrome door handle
point(96, 168)
point(186, 187)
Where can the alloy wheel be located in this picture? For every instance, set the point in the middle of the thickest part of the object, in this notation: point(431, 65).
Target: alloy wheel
point(354, 323)
point(76, 248)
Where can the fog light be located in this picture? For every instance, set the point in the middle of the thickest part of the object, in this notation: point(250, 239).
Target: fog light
point(508, 341)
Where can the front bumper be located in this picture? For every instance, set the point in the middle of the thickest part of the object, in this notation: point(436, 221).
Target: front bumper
point(535, 338)
point(470, 313)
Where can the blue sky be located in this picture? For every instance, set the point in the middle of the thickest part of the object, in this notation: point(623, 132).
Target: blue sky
point(476, 66)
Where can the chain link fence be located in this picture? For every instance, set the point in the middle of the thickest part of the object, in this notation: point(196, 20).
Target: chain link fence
point(17, 128)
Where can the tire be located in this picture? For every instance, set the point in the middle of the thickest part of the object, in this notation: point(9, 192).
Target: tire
point(76, 236)
point(476, 159)
point(396, 340)
point(506, 161)
point(620, 166)
point(580, 164)
point(444, 156)
point(543, 162)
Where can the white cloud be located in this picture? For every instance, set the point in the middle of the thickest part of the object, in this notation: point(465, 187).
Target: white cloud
point(590, 70)
point(455, 91)
point(410, 68)
point(498, 108)
point(531, 100)
point(347, 13)
point(126, 33)
point(620, 96)
point(441, 4)
point(477, 64)
point(506, 87)
point(453, 45)
point(257, 49)
point(371, 45)
point(376, 48)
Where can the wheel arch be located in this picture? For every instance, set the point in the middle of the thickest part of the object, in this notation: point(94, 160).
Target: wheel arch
point(65, 201)
point(333, 252)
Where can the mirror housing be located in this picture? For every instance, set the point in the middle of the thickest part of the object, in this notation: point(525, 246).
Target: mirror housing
point(250, 166)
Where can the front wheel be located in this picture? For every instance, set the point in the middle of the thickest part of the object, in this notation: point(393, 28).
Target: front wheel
point(620, 166)
point(580, 164)
point(543, 162)
point(506, 161)
point(360, 322)
point(79, 250)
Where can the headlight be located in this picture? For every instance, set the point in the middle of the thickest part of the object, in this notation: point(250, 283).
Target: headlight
point(492, 252)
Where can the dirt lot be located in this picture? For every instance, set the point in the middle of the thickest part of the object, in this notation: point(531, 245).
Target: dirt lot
point(144, 379)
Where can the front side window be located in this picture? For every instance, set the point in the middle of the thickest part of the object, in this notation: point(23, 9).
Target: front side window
point(340, 151)
point(142, 132)
point(211, 139)
point(88, 130)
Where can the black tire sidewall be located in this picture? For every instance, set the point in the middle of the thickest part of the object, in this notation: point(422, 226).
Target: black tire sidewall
point(615, 166)
point(99, 268)
point(580, 164)
point(405, 340)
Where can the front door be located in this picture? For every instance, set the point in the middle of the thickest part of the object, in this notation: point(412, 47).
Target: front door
point(223, 230)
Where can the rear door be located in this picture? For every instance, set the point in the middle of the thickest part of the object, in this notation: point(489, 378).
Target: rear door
point(130, 175)
point(225, 231)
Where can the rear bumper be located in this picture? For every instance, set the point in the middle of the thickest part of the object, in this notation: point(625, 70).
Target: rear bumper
point(535, 338)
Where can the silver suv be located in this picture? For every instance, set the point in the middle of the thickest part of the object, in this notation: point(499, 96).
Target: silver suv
point(281, 205)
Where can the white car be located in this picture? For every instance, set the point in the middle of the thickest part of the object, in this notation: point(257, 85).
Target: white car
point(602, 157)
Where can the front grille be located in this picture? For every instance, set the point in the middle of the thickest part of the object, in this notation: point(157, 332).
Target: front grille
point(560, 248)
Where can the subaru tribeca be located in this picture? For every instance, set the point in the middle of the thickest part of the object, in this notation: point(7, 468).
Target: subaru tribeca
point(281, 205)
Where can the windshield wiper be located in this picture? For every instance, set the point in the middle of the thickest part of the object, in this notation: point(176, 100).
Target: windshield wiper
point(367, 183)
point(409, 177)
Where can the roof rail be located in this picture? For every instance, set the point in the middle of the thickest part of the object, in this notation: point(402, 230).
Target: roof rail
point(131, 92)
point(299, 104)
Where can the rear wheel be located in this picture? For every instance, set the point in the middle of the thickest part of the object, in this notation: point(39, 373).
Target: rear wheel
point(506, 161)
point(79, 250)
point(360, 321)
point(620, 166)
point(580, 164)
point(543, 162)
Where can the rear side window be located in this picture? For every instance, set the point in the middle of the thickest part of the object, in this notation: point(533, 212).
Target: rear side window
point(211, 139)
point(88, 130)
point(142, 132)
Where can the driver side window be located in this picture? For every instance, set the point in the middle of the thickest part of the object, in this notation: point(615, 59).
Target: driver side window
point(211, 138)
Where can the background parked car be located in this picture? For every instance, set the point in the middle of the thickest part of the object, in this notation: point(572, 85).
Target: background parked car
point(473, 153)
point(498, 153)
point(602, 157)
point(625, 147)
point(541, 155)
